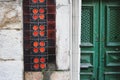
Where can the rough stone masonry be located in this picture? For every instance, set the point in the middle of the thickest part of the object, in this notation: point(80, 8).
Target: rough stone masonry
point(11, 43)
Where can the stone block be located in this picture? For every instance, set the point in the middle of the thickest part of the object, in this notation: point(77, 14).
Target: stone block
point(48, 75)
point(11, 70)
point(33, 76)
point(60, 76)
point(10, 13)
point(11, 44)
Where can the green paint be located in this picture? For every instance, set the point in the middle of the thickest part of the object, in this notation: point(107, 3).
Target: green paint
point(100, 47)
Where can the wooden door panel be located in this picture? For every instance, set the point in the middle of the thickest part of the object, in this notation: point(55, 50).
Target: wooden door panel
point(89, 44)
point(100, 43)
point(110, 40)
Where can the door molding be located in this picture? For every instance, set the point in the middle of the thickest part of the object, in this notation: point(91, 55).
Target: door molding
point(76, 39)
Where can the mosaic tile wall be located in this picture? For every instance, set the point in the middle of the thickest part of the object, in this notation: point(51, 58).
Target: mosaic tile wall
point(39, 34)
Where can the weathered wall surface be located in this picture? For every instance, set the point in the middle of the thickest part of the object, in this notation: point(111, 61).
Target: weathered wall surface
point(11, 43)
point(62, 34)
point(11, 52)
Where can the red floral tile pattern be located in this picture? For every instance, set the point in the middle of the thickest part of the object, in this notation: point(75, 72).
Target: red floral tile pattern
point(39, 34)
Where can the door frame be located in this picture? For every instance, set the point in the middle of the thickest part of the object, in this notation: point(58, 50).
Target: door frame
point(75, 39)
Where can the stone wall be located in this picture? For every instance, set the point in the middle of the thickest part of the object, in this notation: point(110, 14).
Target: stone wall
point(11, 52)
point(11, 43)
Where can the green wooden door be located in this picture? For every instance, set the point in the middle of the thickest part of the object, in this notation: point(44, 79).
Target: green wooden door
point(100, 46)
